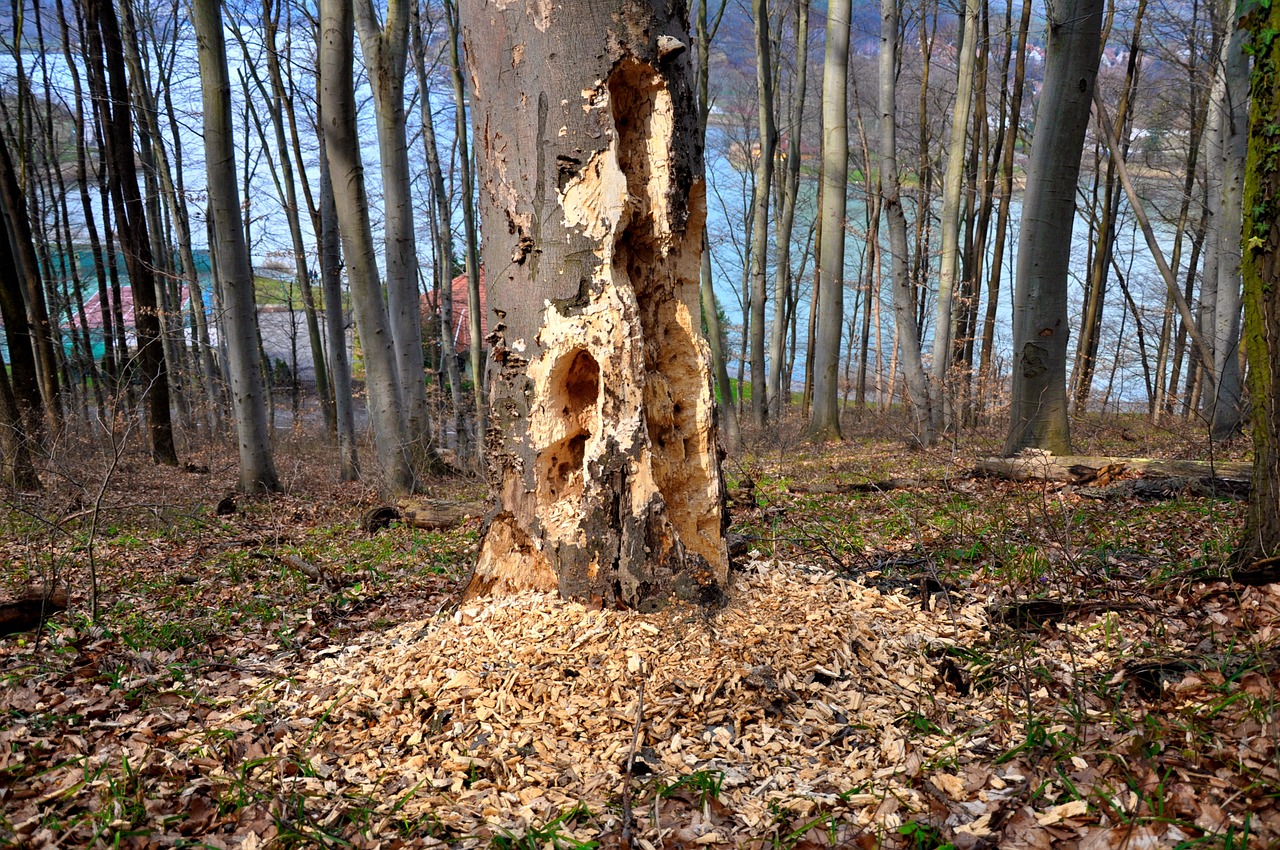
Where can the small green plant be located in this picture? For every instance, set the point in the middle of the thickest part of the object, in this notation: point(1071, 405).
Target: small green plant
point(703, 785)
point(549, 835)
point(924, 836)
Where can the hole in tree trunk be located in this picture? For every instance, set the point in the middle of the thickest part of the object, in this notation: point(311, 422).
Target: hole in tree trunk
point(662, 267)
point(575, 391)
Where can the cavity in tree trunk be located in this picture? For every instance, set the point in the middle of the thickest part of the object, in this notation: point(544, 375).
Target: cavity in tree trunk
point(1040, 329)
point(257, 470)
point(603, 453)
point(1261, 271)
point(825, 423)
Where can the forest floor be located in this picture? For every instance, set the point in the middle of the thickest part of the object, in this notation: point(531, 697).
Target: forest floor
point(954, 661)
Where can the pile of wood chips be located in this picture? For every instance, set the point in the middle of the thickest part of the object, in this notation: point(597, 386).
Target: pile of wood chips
point(801, 694)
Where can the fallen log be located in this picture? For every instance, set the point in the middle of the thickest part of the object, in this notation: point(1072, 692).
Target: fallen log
point(437, 515)
point(1082, 469)
point(28, 612)
point(862, 486)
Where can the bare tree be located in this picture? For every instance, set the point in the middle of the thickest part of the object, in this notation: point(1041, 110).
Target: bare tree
point(342, 151)
point(952, 184)
point(825, 421)
point(110, 87)
point(257, 469)
point(386, 50)
point(903, 298)
point(759, 252)
point(1040, 329)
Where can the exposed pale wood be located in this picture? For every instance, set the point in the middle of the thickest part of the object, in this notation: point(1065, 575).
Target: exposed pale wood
point(1082, 469)
point(433, 514)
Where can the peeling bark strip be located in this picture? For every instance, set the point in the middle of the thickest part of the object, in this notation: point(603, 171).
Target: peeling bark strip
point(604, 453)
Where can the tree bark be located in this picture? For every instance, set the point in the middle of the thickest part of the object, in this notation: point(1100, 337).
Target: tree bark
point(112, 96)
point(386, 50)
point(952, 183)
point(908, 336)
point(342, 148)
point(1040, 330)
point(825, 421)
point(760, 210)
point(1261, 272)
point(603, 454)
point(257, 469)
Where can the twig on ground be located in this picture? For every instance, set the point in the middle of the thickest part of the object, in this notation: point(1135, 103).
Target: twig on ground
point(624, 840)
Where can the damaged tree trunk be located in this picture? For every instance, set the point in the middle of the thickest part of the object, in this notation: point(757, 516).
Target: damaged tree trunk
point(603, 454)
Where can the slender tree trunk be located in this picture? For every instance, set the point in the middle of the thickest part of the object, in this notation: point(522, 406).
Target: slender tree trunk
point(17, 327)
point(825, 422)
point(603, 454)
point(31, 285)
point(1261, 269)
point(908, 337)
point(293, 213)
point(760, 209)
point(470, 229)
point(113, 106)
point(386, 51)
point(1104, 245)
point(704, 31)
point(1224, 405)
point(257, 469)
point(952, 184)
point(342, 147)
point(1040, 329)
point(330, 262)
point(442, 229)
point(16, 467)
point(779, 392)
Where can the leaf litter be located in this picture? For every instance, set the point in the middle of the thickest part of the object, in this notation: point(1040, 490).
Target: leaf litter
point(847, 705)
